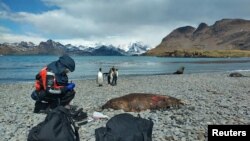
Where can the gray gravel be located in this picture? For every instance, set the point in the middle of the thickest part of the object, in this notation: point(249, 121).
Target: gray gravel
point(211, 98)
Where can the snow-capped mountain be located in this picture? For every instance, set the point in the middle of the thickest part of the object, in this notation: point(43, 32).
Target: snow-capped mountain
point(72, 48)
point(51, 44)
point(52, 47)
point(21, 44)
point(26, 44)
point(137, 48)
point(108, 51)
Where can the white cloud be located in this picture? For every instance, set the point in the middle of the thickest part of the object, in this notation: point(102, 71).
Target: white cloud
point(124, 21)
point(13, 38)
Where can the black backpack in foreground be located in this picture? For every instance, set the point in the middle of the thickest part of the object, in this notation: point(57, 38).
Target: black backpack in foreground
point(125, 127)
point(57, 126)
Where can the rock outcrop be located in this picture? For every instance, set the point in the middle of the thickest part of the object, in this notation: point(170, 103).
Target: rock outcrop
point(224, 35)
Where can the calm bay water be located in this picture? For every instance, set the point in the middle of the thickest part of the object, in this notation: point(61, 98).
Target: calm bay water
point(24, 68)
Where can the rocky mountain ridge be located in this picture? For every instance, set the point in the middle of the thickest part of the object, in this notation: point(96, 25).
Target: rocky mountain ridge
point(51, 47)
point(227, 35)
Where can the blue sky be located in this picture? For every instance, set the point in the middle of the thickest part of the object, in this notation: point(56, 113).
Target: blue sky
point(117, 22)
point(33, 6)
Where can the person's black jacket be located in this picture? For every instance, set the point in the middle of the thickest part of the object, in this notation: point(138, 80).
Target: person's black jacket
point(56, 74)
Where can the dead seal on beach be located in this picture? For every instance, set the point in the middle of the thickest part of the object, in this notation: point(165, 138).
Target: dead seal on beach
point(136, 102)
point(236, 74)
point(180, 70)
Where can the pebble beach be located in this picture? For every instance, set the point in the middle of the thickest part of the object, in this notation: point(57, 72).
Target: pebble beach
point(210, 98)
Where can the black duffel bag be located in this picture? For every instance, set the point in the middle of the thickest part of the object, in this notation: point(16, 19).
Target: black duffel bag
point(125, 127)
point(57, 126)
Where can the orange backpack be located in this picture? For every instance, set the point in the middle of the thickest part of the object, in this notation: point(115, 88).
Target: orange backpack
point(41, 80)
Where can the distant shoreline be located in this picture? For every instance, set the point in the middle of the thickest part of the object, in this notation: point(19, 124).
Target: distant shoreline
point(20, 81)
point(216, 62)
point(199, 53)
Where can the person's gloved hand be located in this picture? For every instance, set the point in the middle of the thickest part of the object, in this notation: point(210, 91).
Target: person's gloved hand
point(35, 96)
point(70, 86)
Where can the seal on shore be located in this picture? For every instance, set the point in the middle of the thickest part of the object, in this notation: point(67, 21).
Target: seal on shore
point(180, 70)
point(136, 102)
point(236, 74)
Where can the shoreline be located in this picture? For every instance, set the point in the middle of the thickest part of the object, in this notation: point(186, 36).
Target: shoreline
point(18, 81)
point(215, 62)
point(211, 98)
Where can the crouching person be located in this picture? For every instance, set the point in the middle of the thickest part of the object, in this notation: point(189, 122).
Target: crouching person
point(52, 87)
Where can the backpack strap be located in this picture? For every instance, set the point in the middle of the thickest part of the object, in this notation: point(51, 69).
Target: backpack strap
point(75, 128)
point(66, 112)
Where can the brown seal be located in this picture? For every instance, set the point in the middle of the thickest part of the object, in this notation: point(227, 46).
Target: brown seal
point(136, 102)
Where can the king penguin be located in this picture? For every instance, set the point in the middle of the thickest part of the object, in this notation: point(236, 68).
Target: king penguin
point(100, 77)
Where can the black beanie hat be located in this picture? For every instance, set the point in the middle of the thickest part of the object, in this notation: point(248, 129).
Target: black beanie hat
point(68, 62)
